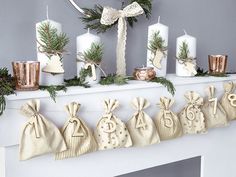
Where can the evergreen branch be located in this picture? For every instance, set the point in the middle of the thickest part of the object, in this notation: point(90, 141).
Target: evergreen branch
point(113, 79)
point(52, 90)
point(184, 51)
point(157, 43)
point(95, 53)
point(7, 87)
point(166, 83)
point(50, 42)
point(75, 82)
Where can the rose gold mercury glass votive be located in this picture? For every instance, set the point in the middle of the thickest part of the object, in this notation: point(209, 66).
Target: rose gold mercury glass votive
point(26, 74)
point(217, 64)
point(144, 73)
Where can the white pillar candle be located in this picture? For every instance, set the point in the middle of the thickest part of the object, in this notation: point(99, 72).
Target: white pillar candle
point(163, 32)
point(192, 47)
point(47, 78)
point(83, 43)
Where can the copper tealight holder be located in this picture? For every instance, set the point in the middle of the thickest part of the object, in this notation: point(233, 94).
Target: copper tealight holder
point(26, 74)
point(144, 73)
point(217, 64)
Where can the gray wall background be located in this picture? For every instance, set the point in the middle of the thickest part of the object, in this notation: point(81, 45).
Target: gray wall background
point(212, 22)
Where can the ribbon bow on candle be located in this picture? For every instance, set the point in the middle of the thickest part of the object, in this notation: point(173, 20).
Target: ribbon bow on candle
point(189, 64)
point(109, 17)
point(88, 63)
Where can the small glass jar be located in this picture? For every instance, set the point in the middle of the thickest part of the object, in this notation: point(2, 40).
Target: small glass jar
point(26, 75)
point(144, 73)
point(217, 64)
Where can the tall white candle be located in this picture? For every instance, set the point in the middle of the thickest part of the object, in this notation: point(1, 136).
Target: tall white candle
point(83, 43)
point(43, 59)
point(192, 47)
point(163, 32)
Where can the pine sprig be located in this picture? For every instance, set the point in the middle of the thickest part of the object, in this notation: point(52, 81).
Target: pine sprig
point(157, 43)
point(95, 53)
point(93, 16)
point(6, 87)
point(184, 51)
point(50, 42)
point(166, 83)
point(53, 90)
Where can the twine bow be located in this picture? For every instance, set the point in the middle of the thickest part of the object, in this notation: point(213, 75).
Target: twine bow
point(109, 17)
point(139, 104)
point(72, 110)
point(165, 104)
point(89, 63)
point(194, 101)
point(31, 110)
point(189, 64)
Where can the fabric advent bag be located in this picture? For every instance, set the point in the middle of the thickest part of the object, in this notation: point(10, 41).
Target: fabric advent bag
point(38, 136)
point(167, 122)
point(215, 114)
point(192, 117)
point(79, 138)
point(111, 132)
point(228, 100)
point(141, 127)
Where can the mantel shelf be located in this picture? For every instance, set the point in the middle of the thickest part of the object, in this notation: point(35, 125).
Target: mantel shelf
point(131, 86)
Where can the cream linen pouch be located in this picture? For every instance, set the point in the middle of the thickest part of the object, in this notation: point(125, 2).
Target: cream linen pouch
point(38, 136)
point(191, 117)
point(79, 138)
point(167, 122)
point(215, 114)
point(141, 127)
point(228, 100)
point(111, 132)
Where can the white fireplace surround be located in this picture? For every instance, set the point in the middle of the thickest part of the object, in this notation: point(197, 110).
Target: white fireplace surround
point(216, 148)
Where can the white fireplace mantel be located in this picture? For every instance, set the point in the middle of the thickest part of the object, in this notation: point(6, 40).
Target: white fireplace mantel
point(217, 147)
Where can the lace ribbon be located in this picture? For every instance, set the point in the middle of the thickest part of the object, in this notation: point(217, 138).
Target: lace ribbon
point(109, 17)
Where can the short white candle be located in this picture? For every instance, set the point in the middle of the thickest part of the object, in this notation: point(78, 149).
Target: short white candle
point(192, 47)
point(83, 43)
point(163, 32)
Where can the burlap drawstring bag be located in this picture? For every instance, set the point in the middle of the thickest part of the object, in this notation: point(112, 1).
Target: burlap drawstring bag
point(38, 136)
point(79, 138)
point(192, 117)
point(141, 127)
point(215, 114)
point(111, 132)
point(228, 100)
point(167, 122)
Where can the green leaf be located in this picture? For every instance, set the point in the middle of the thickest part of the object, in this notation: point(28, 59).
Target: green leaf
point(166, 83)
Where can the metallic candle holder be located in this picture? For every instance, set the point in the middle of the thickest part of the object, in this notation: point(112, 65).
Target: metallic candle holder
point(217, 64)
point(144, 73)
point(26, 74)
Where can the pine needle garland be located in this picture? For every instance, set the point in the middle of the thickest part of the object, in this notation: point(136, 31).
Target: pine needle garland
point(166, 83)
point(113, 79)
point(6, 87)
point(93, 16)
point(50, 42)
point(52, 90)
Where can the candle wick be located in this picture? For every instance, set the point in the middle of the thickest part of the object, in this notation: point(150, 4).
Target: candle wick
point(47, 13)
point(159, 19)
point(185, 32)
